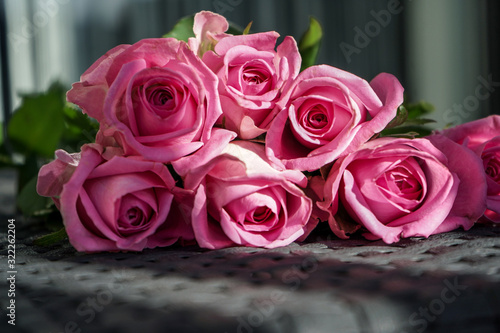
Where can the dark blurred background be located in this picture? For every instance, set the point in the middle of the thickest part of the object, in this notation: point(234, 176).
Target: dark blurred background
point(443, 51)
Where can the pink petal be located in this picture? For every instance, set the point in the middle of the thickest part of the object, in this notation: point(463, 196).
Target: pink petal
point(55, 174)
point(208, 28)
point(208, 232)
point(263, 41)
point(218, 141)
point(475, 132)
point(390, 92)
point(470, 202)
point(91, 91)
point(288, 51)
point(80, 237)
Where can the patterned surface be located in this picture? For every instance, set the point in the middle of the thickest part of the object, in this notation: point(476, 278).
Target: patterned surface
point(447, 283)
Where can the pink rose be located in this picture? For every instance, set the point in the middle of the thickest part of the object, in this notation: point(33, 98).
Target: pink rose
point(241, 200)
point(483, 137)
point(111, 203)
point(327, 113)
point(156, 98)
point(399, 188)
point(252, 76)
point(208, 29)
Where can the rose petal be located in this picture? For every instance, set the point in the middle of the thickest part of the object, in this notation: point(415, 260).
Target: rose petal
point(208, 28)
point(258, 41)
point(470, 202)
point(90, 92)
point(218, 141)
point(208, 232)
point(55, 174)
point(474, 133)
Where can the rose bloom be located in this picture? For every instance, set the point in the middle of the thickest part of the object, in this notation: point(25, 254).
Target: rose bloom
point(252, 76)
point(110, 202)
point(327, 113)
point(241, 200)
point(483, 137)
point(399, 188)
point(156, 98)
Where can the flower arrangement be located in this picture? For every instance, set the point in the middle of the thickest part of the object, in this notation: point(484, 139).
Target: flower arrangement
point(225, 140)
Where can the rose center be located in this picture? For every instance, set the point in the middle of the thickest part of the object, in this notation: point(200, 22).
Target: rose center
point(260, 215)
point(254, 76)
point(492, 169)
point(160, 96)
point(405, 185)
point(134, 216)
point(317, 118)
point(401, 182)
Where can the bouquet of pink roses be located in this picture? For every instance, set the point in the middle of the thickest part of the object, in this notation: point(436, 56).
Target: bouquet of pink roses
point(224, 141)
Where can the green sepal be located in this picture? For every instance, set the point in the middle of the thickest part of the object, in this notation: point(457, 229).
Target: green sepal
point(407, 122)
point(247, 29)
point(399, 119)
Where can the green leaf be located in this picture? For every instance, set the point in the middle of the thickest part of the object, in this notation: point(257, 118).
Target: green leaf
point(417, 110)
point(407, 131)
point(1, 134)
point(28, 200)
point(183, 29)
point(419, 121)
point(52, 238)
point(309, 43)
point(38, 124)
point(27, 171)
point(78, 129)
